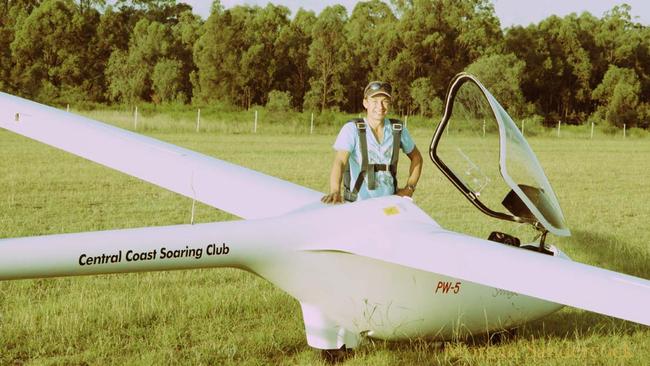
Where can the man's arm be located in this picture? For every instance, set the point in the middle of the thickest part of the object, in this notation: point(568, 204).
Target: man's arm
point(336, 175)
point(414, 173)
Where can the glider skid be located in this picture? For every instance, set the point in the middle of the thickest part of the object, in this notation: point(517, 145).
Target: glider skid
point(324, 333)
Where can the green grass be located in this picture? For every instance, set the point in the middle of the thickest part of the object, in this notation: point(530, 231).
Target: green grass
point(226, 316)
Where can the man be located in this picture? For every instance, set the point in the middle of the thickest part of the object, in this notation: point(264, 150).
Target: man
point(367, 151)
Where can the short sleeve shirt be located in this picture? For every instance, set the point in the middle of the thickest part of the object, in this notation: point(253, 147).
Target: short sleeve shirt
point(378, 153)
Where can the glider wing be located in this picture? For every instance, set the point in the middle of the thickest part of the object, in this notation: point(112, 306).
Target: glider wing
point(228, 187)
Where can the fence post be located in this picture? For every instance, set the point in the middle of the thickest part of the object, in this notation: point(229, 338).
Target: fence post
point(522, 128)
point(624, 130)
point(559, 123)
point(592, 129)
point(198, 120)
point(67, 108)
point(311, 128)
point(255, 125)
point(192, 216)
point(135, 119)
point(406, 121)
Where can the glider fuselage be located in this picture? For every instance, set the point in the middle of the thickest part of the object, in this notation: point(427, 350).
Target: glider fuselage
point(341, 289)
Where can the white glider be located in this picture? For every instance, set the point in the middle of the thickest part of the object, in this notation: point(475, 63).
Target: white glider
point(389, 271)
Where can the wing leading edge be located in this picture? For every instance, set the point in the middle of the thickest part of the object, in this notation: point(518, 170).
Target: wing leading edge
point(550, 278)
point(226, 186)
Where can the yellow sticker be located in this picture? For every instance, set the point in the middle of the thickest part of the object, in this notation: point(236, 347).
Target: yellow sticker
point(392, 210)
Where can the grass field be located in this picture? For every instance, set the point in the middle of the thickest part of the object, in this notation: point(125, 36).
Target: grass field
point(225, 316)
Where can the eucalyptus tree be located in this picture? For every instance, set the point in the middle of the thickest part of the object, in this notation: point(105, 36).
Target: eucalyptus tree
point(185, 33)
point(12, 13)
point(90, 5)
point(130, 73)
point(424, 97)
point(555, 61)
point(618, 96)
point(217, 52)
point(626, 44)
point(502, 74)
point(235, 54)
point(368, 32)
point(167, 81)
point(292, 52)
point(51, 52)
point(328, 59)
point(259, 64)
point(163, 11)
point(439, 38)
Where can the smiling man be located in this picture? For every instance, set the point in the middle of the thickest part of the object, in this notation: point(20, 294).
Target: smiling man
point(367, 152)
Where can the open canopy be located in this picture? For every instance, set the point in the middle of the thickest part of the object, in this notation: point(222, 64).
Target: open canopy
point(491, 161)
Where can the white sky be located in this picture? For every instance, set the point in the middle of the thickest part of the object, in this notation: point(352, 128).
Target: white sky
point(510, 12)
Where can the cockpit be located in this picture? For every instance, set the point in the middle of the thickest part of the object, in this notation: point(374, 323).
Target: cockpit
point(491, 163)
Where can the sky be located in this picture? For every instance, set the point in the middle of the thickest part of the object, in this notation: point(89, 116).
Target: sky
point(510, 12)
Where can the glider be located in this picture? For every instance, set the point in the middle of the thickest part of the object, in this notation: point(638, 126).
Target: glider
point(388, 272)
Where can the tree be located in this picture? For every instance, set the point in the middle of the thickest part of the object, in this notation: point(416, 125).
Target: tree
point(90, 5)
point(51, 52)
point(114, 29)
point(217, 53)
point(558, 69)
point(437, 39)
point(328, 59)
point(167, 80)
point(185, 34)
point(127, 80)
point(292, 52)
point(625, 44)
point(501, 74)
point(367, 32)
point(424, 97)
point(11, 16)
point(258, 69)
point(154, 45)
point(279, 101)
point(162, 11)
point(618, 96)
point(617, 38)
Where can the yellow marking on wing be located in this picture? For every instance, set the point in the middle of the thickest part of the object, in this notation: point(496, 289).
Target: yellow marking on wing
point(392, 210)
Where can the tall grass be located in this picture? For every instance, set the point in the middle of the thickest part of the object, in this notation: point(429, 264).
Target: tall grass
point(227, 316)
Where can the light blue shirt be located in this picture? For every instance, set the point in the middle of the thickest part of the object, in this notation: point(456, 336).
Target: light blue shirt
point(378, 153)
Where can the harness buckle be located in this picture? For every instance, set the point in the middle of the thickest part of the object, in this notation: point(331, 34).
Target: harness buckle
point(397, 127)
point(361, 125)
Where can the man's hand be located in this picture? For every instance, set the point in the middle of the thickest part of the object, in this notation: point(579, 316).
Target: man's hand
point(405, 192)
point(334, 197)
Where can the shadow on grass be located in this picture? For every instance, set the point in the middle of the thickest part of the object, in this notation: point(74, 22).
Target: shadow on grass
point(563, 325)
point(577, 324)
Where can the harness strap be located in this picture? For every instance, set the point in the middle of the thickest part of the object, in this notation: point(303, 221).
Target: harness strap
point(350, 195)
point(368, 169)
point(397, 142)
point(365, 167)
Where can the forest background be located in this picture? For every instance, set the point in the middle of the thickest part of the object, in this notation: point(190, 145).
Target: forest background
point(91, 53)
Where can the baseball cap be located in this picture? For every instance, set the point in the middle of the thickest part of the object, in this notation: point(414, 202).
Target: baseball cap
point(377, 87)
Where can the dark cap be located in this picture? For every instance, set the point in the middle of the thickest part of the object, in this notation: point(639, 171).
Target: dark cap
point(377, 87)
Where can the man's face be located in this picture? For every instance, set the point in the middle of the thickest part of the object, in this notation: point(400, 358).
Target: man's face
point(377, 106)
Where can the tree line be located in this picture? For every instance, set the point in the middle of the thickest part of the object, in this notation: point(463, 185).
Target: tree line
point(573, 68)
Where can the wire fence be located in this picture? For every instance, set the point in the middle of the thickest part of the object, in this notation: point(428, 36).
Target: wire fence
point(309, 122)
